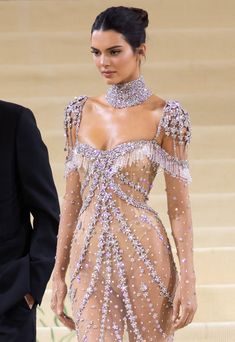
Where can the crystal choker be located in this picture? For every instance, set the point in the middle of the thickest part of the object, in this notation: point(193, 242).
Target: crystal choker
point(128, 94)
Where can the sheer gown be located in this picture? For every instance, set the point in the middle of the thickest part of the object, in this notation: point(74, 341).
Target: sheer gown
point(122, 271)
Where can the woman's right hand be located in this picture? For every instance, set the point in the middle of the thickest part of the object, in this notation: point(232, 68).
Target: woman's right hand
point(59, 291)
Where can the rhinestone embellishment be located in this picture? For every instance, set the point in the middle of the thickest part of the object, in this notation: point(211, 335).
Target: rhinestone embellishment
point(128, 94)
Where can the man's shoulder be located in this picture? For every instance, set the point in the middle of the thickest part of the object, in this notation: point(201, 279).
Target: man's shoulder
point(11, 107)
point(13, 111)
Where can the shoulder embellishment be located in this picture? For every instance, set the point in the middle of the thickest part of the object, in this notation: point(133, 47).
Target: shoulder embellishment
point(73, 110)
point(176, 122)
point(72, 115)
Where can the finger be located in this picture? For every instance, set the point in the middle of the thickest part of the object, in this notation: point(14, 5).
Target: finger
point(191, 312)
point(60, 304)
point(180, 323)
point(53, 303)
point(67, 321)
point(70, 323)
point(176, 308)
point(60, 307)
point(189, 319)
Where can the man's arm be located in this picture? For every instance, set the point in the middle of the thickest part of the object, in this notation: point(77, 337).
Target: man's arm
point(40, 198)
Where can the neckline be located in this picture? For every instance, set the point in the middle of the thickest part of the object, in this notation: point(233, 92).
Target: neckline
point(109, 150)
point(124, 142)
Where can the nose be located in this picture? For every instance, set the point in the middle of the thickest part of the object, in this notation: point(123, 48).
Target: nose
point(104, 60)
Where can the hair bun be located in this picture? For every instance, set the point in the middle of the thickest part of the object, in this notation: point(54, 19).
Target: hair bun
point(142, 14)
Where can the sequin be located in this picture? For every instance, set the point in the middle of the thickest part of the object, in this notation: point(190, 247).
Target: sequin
point(128, 94)
point(122, 271)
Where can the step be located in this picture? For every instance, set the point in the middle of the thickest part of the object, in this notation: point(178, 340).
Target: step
point(65, 47)
point(215, 143)
point(195, 332)
point(208, 209)
point(208, 240)
point(212, 143)
point(210, 298)
point(201, 169)
point(205, 237)
point(73, 16)
point(222, 257)
point(204, 110)
point(83, 78)
point(213, 209)
point(222, 180)
point(204, 258)
point(207, 332)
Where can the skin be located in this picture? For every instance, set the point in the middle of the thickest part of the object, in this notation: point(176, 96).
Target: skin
point(112, 53)
point(29, 299)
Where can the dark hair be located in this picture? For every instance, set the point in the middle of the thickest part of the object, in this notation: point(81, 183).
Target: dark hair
point(129, 21)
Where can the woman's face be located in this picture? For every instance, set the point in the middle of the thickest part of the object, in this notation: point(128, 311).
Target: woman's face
point(114, 57)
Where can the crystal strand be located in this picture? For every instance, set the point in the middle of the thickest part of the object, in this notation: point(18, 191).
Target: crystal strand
point(94, 277)
point(124, 288)
point(141, 252)
point(107, 287)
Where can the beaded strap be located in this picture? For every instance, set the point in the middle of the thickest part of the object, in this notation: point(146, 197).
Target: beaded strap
point(72, 117)
point(176, 123)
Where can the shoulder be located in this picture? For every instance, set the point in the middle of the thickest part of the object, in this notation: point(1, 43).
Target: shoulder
point(175, 121)
point(75, 105)
point(73, 110)
point(173, 109)
point(13, 109)
point(85, 104)
point(15, 114)
point(10, 107)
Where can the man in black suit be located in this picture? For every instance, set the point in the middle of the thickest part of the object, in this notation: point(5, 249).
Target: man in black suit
point(27, 250)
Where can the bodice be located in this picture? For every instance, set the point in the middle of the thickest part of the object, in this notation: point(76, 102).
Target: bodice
point(129, 168)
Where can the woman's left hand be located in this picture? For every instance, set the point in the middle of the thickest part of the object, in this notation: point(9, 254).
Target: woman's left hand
point(184, 305)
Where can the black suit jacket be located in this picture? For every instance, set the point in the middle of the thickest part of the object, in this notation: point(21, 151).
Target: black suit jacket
point(29, 208)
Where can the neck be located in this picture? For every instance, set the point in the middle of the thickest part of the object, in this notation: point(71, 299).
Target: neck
point(128, 94)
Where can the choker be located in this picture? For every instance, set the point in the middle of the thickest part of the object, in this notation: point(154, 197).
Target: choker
point(128, 94)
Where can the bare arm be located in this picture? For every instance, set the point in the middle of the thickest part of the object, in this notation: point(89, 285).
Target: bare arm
point(70, 209)
point(176, 135)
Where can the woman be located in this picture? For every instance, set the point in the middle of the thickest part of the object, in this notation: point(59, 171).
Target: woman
point(121, 265)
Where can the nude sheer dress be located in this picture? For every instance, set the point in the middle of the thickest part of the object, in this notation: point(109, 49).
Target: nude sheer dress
point(122, 271)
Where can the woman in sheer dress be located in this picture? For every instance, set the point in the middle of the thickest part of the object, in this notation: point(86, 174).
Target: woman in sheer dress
point(122, 272)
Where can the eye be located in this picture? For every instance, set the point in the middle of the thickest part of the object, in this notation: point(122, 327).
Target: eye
point(95, 52)
point(115, 52)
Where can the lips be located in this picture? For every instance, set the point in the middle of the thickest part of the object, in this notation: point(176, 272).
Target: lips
point(107, 72)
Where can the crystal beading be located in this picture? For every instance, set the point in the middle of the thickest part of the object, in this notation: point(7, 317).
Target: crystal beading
point(122, 269)
point(128, 94)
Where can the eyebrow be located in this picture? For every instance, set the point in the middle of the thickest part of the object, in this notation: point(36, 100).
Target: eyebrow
point(111, 48)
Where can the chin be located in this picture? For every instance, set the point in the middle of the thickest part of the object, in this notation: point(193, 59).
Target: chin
point(111, 81)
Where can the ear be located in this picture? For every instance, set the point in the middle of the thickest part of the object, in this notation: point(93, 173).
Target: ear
point(142, 50)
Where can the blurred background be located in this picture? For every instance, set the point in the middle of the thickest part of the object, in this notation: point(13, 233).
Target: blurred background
point(45, 61)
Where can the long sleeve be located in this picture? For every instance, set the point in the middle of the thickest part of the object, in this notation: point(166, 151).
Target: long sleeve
point(72, 200)
point(176, 135)
point(39, 197)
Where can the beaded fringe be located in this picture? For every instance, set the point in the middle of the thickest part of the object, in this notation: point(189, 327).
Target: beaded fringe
point(74, 162)
point(170, 164)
